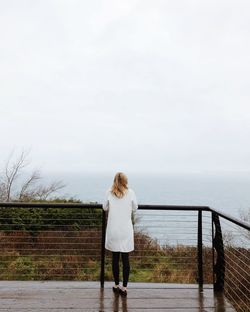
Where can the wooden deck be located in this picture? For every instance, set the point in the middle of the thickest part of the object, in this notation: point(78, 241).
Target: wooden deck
point(32, 296)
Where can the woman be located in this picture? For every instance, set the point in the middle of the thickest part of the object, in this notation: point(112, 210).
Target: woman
point(120, 201)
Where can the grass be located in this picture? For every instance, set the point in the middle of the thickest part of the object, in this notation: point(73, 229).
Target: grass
point(58, 255)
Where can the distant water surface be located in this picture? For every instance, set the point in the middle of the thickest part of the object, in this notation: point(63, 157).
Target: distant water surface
point(228, 193)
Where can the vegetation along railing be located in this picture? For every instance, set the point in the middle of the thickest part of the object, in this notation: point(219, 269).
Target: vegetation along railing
point(173, 244)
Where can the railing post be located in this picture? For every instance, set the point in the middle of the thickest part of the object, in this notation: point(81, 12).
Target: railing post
point(199, 254)
point(218, 246)
point(103, 248)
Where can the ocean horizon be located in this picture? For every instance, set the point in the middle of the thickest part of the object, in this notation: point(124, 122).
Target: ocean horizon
point(227, 193)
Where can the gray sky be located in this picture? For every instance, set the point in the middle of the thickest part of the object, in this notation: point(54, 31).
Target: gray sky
point(136, 86)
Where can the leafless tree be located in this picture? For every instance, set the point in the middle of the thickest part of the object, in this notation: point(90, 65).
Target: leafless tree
point(29, 188)
point(245, 216)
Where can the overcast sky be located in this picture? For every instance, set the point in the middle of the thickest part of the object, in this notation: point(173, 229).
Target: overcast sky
point(134, 86)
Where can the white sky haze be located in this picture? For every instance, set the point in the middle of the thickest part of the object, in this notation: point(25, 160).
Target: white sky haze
point(135, 86)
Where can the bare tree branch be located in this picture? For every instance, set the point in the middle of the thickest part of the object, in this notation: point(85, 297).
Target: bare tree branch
point(245, 216)
point(26, 190)
point(44, 192)
point(29, 189)
point(12, 171)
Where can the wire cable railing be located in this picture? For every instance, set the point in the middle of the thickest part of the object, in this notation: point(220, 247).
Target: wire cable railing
point(46, 242)
point(235, 245)
point(173, 244)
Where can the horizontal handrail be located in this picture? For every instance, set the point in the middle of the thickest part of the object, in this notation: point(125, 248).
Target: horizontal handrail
point(141, 206)
point(232, 219)
point(49, 205)
point(98, 206)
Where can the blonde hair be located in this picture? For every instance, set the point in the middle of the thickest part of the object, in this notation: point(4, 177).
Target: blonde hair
point(120, 185)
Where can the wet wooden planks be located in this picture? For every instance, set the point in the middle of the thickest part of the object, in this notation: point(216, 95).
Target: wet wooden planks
point(73, 296)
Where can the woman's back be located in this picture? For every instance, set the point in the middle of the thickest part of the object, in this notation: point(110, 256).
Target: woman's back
point(119, 235)
point(124, 205)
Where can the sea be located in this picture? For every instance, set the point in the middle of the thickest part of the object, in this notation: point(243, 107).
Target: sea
point(228, 193)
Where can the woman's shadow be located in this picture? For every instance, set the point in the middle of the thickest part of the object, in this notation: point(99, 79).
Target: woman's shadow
point(116, 303)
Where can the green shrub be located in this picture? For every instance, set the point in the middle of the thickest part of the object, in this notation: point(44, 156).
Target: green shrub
point(21, 268)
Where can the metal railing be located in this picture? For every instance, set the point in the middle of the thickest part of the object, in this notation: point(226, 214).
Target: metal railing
point(173, 244)
point(231, 242)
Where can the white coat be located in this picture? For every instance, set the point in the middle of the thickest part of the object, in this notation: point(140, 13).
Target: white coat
point(119, 231)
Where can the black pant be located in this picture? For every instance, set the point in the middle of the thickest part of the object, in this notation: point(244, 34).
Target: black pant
point(125, 267)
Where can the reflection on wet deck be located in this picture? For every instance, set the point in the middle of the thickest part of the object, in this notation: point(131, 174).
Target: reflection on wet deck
point(73, 296)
